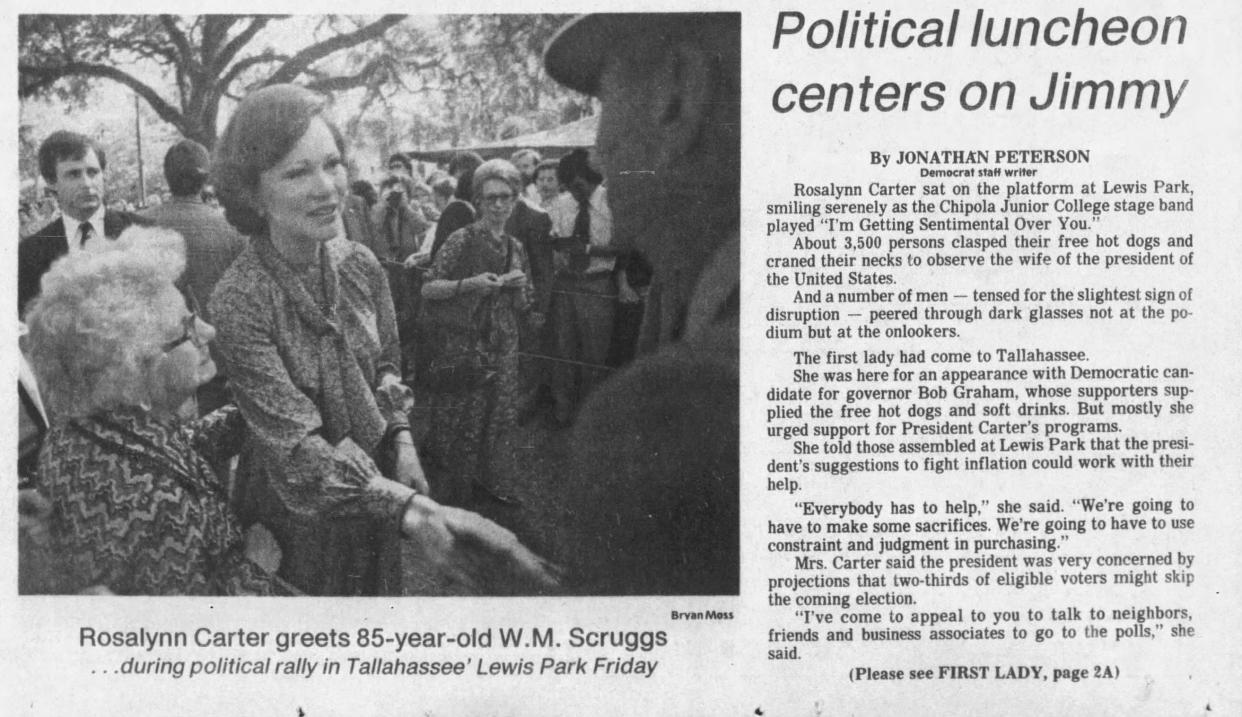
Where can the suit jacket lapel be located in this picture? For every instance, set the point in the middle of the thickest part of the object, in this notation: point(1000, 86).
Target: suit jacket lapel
point(56, 245)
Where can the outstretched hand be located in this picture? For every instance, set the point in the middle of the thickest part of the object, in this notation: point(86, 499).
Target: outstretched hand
point(475, 554)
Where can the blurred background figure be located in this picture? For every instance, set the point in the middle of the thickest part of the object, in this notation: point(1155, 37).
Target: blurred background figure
point(442, 191)
point(400, 164)
point(211, 243)
point(584, 290)
point(532, 227)
point(477, 294)
point(400, 228)
point(546, 183)
point(460, 212)
point(398, 218)
point(364, 189)
point(527, 160)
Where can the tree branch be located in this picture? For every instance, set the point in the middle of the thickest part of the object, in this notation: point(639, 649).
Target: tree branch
point(179, 40)
point(46, 76)
point(305, 58)
point(242, 65)
point(346, 82)
point(230, 50)
point(215, 29)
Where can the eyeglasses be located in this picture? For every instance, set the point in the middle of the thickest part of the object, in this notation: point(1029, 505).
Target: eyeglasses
point(189, 327)
point(496, 198)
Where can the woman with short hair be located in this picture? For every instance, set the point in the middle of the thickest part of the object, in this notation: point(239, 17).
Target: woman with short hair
point(476, 295)
point(135, 505)
point(307, 330)
point(461, 211)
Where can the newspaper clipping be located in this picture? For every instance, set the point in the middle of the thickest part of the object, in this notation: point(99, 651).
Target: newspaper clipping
point(696, 359)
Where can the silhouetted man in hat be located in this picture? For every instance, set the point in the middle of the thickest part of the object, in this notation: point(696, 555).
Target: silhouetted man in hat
point(656, 446)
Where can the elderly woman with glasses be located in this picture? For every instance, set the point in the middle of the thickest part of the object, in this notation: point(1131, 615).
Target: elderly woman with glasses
point(308, 334)
point(476, 292)
point(135, 505)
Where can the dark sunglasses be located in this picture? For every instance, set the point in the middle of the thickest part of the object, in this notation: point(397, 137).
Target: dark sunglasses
point(504, 198)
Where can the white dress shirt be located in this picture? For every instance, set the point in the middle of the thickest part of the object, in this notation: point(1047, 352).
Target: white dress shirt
point(73, 230)
point(564, 212)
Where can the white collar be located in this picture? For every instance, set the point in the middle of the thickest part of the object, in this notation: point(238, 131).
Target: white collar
point(72, 225)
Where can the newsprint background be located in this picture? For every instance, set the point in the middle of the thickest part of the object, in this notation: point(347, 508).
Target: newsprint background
point(1098, 563)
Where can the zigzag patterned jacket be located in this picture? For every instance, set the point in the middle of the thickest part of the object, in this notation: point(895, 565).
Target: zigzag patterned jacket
point(137, 507)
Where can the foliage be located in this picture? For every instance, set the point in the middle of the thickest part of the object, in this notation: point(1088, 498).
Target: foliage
point(472, 78)
point(396, 83)
point(497, 73)
point(184, 66)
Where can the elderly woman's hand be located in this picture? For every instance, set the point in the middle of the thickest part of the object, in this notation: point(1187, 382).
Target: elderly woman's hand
point(485, 283)
point(420, 260)
point(474, 552)
point(515, 279)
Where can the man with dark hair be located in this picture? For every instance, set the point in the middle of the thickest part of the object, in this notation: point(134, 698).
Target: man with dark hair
point(401, 164)
point(366, 190)
point(459, 212)
point(656, 446)
point(584, 292)
point(398, 220)
point(72, 165)
point(211, 243)
point(442, 191)
point(547, 186)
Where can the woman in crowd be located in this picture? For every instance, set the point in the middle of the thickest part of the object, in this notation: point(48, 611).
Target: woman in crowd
point(307, 331)
point(546, 183)
point(460, 212)
point(135, 505)
point(477, 294)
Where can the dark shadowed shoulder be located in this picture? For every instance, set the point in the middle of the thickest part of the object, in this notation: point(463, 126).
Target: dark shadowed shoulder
point(54, 228)
point(655, 457)
point(117, 222)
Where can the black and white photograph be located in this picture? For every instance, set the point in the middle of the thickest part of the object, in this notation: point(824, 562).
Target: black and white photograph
point(384, 306)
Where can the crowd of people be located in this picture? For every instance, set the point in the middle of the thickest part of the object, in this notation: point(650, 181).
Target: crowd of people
point(219, 401)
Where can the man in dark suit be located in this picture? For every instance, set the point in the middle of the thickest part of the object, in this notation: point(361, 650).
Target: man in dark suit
point(73, 167)
point(533, 227)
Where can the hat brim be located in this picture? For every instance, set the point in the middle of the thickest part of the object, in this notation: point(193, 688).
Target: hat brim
point(579, 52)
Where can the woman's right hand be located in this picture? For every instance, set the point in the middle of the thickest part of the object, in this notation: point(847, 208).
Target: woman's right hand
point(474, 552)
point(485, 283)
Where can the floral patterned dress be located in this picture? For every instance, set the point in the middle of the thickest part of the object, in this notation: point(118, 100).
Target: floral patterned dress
point(316, 419)
point(470, 436)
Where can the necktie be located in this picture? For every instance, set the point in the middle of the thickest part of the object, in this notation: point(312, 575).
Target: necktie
point(394, 232)
point(579, 263)
point(582, 224)
point(86, 231)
